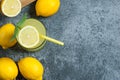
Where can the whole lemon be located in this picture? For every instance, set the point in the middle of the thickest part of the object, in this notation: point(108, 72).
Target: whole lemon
point(47, 8)
point(8, 69)
point(40, 78)
point(6, 33)
point(31, 68)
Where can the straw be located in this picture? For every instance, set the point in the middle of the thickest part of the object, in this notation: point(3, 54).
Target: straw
point(52, 40)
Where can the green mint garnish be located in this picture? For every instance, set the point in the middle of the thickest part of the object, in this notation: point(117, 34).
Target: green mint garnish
point(17, 27)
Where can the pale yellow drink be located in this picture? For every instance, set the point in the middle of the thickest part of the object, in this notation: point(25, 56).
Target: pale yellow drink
point(29, 35)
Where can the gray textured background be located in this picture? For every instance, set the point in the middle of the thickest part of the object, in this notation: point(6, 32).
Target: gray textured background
point(90, 30)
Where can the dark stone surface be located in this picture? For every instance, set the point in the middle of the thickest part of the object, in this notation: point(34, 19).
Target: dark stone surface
point(90, 30)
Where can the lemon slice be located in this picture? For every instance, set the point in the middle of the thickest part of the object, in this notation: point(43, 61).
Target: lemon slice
point(28, 36)
point(11, 8)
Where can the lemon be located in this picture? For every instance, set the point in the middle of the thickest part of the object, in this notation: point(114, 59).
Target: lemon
point(28, 36)
point(11, 8)
point(6, 33)
point(47, 8)
point(40, 78)
point(8, 69)
point(31, 68)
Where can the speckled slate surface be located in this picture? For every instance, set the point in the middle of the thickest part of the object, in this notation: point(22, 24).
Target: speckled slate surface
point(90, 30)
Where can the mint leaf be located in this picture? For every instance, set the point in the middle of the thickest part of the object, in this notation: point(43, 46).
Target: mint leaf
point(17, 27)
point(15, 33)
point(22, 20)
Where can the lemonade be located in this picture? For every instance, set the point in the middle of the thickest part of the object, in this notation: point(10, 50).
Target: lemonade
point(29, 35)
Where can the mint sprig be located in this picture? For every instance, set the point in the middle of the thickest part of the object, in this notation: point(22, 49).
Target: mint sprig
point(17, 27)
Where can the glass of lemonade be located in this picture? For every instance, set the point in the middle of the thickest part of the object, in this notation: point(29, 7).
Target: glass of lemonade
point(29, 35)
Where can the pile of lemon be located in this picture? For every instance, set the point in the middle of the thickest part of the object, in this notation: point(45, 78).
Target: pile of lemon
point(12, 8)
point(45, 8)
point(29, 67)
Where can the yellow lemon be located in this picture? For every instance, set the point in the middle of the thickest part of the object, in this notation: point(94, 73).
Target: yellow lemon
point(11, 8)
point(6, 33)
point(40, 78)
point(47, 8)
point(8, 69)
point(31, 68)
